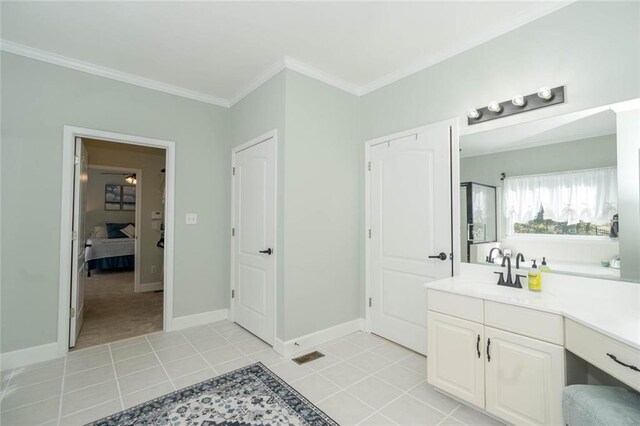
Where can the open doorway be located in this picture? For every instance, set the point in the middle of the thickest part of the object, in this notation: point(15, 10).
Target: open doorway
point(119, 267)
point(122, 291)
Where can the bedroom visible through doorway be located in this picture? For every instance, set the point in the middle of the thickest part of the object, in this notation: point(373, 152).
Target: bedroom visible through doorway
point(118, 262)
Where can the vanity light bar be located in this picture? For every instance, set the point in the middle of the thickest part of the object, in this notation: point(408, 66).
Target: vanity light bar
point(542, 98)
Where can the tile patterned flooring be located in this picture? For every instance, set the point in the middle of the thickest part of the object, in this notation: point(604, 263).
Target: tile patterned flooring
point(363, 379)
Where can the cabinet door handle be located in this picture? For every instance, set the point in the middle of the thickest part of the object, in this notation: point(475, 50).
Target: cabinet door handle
point(633, 367)
point(478, 346)
point(488, 353)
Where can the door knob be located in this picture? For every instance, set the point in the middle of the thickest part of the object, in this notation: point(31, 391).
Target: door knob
point(441, 256)
point(267, 251)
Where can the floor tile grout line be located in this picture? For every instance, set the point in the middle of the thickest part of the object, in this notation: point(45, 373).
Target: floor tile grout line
point(377, 410)
point(64, 370)
point(113, 365)
point(37, 400)
point(379, 414)
point(173, 385)
point(450, 416)
point(90, 408)
point(25, 369)
point(200, 354)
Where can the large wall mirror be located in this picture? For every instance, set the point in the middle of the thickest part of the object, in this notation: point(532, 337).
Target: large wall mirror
point(553, 190)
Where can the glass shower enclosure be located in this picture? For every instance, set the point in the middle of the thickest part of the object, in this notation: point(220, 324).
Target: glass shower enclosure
point(478, 216)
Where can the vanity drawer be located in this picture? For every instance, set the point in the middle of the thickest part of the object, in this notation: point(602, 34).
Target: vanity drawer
point(527, 322)
point(593, 347)
point(465, 307)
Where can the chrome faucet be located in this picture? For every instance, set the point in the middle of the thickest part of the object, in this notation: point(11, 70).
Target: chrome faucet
point(519, 257)
point(509, 282)
point(490, 257)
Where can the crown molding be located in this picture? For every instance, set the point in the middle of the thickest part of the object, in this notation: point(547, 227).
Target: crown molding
point(262, 78)
point(319, 75)
point(64, 61)
point(287, 62)
point(491, 33)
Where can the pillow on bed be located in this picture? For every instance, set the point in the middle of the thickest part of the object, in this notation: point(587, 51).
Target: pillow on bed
point(113, 230)
point(129, 231)
point(98, 232)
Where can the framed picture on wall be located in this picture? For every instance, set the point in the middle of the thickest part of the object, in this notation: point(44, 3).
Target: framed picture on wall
point(128, 198)
point(112, 197)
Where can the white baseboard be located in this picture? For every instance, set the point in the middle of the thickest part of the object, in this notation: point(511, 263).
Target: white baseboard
point(150, 287)
point(306, 342)
point(27, 356)
point(198, 319)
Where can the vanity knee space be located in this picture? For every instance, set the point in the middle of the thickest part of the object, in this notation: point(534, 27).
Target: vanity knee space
point(504, 359)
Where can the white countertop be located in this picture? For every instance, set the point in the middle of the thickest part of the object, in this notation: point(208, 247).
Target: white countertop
point(620, 321)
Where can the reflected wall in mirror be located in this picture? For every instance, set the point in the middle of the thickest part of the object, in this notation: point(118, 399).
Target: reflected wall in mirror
point(548, 189)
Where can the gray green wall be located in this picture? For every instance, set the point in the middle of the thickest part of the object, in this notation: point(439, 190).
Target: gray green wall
point(38, 99)
point(261, 111)
point(322, 223)
point(318, 175)
point(575, 155)
point(591, 47)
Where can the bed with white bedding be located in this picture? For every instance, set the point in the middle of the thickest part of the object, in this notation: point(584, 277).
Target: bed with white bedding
point(109, 253)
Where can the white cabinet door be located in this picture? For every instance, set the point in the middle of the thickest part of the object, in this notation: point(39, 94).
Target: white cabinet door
point(455, 361)
point(524, 379)
point(410, 222)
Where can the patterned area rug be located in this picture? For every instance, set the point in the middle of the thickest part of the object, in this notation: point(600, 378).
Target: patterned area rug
point(252, 395)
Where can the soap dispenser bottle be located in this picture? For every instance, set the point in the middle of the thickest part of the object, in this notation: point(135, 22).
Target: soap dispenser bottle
point(543, 266)
point(535, 277)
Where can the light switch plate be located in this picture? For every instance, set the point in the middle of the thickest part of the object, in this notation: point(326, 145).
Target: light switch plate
point(156, 215)
point(191, 218)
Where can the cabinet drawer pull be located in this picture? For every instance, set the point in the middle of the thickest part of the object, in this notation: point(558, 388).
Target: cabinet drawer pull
point(478, 346)
point(488, 353)
point(633, 367)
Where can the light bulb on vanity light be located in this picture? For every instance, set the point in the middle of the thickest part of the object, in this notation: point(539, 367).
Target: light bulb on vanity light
point(473, 114)
point(518, 101)
point(494, 107)
point(545, 93)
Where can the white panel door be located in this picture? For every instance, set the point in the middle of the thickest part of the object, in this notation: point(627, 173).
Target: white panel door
point(455, 361)
point(524, 379)
point(410, 195)
point(81, 178)
point(254, 240)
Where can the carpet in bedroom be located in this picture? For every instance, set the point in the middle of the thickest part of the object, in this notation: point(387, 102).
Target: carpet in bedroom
point(112, 311)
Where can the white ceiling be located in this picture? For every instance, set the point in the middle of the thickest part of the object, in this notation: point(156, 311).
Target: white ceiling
point(221, 49)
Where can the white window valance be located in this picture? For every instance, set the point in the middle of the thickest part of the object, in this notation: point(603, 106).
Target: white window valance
point(581, 195)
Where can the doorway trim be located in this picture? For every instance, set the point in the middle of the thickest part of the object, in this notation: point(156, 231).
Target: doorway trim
point(455, 203)
point(138, 215)
point(272, 134)
point(66, 219)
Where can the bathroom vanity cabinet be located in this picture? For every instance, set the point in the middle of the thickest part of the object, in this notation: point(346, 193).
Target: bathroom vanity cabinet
point(503, 350)
point(509, 363)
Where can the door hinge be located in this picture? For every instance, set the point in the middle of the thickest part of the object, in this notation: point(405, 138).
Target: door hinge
point(76, 159)
point(233, 294)
point(369, 302)
point(74, 235)
point(369, 233)
point(369, 166)
point(233, 232)
point(233, 171)
point(72, 312)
